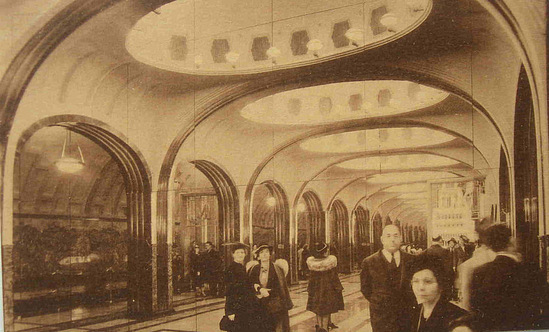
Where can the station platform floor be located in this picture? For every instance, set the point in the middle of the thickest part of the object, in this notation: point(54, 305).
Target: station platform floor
point(202, 315)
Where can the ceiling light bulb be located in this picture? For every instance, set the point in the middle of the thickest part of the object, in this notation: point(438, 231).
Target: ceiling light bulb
point(66, 163)
point(314, 45)
point(354, 35)
point(198, 60)
point(273, 52)
point(69, 165)
point(415, 5)
point(232, 57)
point(389, 20)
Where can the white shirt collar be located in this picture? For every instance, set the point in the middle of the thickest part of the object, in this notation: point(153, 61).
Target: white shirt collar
point(388, 255)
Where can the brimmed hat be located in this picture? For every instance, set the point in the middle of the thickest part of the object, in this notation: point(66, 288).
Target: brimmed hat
point(234, 246)
point(320, 247)
point(263, 246)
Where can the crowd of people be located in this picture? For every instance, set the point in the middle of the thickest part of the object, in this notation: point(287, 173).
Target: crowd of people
point(257, 293)
point(452, 286)
point(206, 270)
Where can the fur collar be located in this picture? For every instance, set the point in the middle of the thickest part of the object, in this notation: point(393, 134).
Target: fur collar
point(322, 264)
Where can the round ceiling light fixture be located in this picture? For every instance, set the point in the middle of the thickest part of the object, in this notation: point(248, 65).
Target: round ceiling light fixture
point(355, 36)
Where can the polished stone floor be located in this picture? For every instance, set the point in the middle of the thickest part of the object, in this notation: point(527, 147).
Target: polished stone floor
point(204, 314)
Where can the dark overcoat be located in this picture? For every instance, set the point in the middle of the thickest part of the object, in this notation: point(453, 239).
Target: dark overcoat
point(390, 305)
point(507, 295)
point(279, 298)
point(444, 313)
point(241, 300)
point(325, 292)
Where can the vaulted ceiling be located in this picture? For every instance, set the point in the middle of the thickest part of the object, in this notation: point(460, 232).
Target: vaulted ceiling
point(431, 96)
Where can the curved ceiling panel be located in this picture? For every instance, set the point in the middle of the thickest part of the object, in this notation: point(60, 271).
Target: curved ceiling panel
point(407, 188)
point(417, 195)
point(409, 177)
point(222, 37)
point(403, 161)
point(342, 101)
point(376, 139)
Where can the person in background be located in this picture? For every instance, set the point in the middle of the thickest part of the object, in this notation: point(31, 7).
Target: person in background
point(456, 253)
point(241, 305)
point(302, 255)
point(482, 255)
point(254, 252)
point(432, 286)
point(269, 280)
point(437, 249)
point(506, 293)
point(467, 246)
point(324, 289)
point(212, 267)
point(177, 269)
point(197, 269)
point(384, 284)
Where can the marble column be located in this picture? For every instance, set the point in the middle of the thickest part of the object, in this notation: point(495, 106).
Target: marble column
point(7, 284)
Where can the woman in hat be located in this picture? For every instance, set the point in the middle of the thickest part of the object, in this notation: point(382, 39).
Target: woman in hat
point(269, 281)
point(241, 305)
point(325, 290)
point(431, 284)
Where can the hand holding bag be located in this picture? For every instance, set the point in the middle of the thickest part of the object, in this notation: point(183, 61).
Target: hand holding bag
point(226, 324)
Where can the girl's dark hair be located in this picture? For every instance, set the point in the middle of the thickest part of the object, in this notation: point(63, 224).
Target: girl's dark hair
point(469, 320)
point(436, 265)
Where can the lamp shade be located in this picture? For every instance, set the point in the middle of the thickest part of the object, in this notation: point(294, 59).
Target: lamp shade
point(273, 52)
point(314, 45)
point(354, 35)
point(69, 165)
point(390, 20)
point(232, 57)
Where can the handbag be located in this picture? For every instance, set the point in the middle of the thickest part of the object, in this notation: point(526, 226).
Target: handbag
point(226, 324)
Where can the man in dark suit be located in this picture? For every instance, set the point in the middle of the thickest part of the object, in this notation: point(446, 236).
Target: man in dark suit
point(506, 293)
point(385, 284)
point(444, 254)
point(212, 268)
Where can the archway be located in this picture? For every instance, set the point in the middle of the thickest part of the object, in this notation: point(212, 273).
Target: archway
point(135, 174)
point(362, 234)
point(311, 228)
point(340, 240)
point(271, 218)
point(205, 210)
point(526, 174)
point(310, 219)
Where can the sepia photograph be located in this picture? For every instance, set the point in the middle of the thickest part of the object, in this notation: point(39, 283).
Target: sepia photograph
point(274, 165)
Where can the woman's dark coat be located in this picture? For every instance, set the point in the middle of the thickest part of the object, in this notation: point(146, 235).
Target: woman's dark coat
point(325, 289)
point(241, 300)
point(274, 307)
point(442, 316)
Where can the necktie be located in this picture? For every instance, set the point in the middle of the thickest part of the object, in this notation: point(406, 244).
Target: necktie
point(393, 262)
